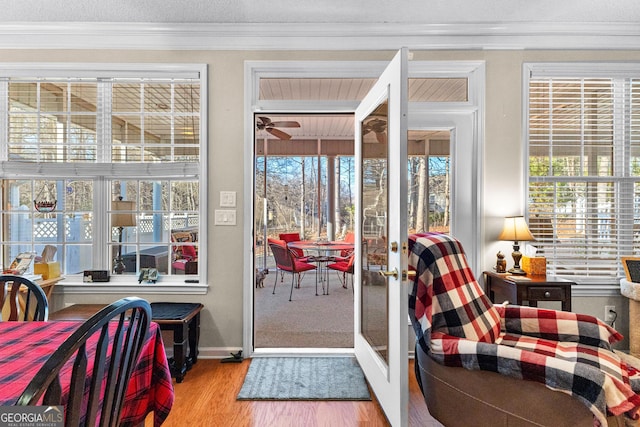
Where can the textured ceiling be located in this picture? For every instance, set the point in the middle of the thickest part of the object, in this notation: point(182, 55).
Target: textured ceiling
point(326, 11)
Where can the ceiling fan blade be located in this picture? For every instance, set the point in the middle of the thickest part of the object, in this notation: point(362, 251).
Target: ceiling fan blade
point(266, 121)
point(278, 133)
point(285, 124)
point(381, 137)
point(378, 125)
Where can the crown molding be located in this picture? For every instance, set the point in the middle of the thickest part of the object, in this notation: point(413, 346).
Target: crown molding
point(318, 36)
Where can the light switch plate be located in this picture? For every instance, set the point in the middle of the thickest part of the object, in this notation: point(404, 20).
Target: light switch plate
point(225, 217)
point(227, 199)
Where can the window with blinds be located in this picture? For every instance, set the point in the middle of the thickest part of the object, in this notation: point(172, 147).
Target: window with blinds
point(130, 120)
point(83, 140)
point(583, 136)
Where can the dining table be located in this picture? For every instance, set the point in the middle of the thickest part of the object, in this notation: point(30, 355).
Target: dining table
point(324, 250)
point(26, 346)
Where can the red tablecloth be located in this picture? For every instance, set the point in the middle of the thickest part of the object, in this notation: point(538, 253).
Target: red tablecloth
point(25, 346)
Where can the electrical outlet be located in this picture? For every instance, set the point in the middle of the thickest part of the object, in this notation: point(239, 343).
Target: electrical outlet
point(608, 316)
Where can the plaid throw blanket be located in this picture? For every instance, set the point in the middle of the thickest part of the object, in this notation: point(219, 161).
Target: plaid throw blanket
point(457, 325)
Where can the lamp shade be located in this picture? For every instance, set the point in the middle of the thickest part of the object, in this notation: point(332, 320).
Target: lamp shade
point(516, 230)
point(122, 213)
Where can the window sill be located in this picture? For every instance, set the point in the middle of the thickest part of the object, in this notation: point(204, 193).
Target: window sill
point(74, 286)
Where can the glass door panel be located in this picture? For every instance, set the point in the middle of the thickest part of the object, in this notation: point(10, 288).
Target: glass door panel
point(374, 325)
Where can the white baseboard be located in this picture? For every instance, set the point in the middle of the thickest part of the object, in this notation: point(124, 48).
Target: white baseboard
point(222, 352)
point(216, 352)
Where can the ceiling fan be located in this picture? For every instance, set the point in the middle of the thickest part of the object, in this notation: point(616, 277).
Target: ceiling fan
point(378, 127)
point(265, 123)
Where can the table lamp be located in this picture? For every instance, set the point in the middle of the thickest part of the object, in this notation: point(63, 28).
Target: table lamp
point(515, 229)
point(122, 215)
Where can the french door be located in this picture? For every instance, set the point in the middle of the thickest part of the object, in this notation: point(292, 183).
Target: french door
point(380, 303)
point(380, 326)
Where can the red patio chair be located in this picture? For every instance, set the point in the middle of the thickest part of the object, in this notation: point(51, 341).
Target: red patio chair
point(294, 237)
point(345, 267)
point(349, 237)
point(285, 261)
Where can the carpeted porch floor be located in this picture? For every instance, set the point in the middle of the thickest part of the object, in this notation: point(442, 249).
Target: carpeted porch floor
point(308, 321)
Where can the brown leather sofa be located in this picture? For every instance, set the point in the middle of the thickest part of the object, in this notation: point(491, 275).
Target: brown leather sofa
point(447, 299)
point(458, 397)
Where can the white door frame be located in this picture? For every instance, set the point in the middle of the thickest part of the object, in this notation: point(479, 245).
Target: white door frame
point(474, 71)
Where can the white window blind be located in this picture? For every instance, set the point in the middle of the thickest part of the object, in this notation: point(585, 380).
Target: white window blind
point(103, 120)
point(583, 139)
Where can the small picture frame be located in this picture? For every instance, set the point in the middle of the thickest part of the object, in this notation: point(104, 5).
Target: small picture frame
point(632, 268)
point(20, 264)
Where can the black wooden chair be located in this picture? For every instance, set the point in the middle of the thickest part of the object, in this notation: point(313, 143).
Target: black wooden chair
point(25, 299)
point(118, 332)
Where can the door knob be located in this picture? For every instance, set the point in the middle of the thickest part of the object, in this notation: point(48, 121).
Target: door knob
point(408, 274)
point(393, 273)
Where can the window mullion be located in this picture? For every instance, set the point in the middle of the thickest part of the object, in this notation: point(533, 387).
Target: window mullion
point(173, 121)
point(143, 124)
point(38, 121)
point(550, 126)
point(589, 154)
point(4, 119)
point(63, 136)
point(103, 121)
point(101, 234)
point(622, 167)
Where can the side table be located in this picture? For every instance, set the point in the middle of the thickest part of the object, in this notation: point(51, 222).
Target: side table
point(184, 320)
point(181, 318)
point(533, 289)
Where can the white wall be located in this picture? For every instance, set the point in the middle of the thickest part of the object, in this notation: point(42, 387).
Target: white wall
point(503, 165)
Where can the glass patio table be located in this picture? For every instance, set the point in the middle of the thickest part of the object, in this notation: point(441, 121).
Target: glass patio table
point(324, 250)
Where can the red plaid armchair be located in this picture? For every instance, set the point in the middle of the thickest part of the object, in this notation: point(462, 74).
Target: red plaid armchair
point(457, 326)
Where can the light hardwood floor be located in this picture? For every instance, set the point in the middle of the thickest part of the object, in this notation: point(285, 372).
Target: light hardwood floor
point(207, 398)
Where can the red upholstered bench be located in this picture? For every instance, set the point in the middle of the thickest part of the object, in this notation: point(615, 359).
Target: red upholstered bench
point(185, 254)
point(183, 266)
